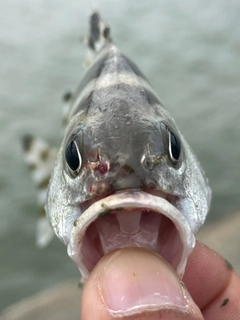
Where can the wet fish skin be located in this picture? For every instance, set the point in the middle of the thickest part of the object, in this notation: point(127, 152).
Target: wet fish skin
point(123, 135)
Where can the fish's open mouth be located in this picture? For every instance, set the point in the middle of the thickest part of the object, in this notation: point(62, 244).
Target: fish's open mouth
point(130, 219)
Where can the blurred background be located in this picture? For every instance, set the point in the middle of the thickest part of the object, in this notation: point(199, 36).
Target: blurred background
point(189, 51)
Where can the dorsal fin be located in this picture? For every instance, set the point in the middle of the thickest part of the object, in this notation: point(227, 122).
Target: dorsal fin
point(98, 37)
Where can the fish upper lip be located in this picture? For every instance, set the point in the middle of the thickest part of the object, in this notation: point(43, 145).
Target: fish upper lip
point(129, 200)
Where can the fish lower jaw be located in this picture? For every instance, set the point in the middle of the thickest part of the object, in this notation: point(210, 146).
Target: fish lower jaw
point(130, 219)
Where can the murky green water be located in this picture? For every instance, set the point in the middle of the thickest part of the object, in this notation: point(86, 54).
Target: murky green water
point(190, 52)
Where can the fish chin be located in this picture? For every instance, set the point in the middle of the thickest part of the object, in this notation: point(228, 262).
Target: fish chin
point(130, 219)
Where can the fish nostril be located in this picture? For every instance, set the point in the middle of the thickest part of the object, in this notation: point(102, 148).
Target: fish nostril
point(150, 161)
point(147, 162)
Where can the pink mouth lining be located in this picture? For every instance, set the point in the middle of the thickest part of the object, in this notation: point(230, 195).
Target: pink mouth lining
point(130, 219)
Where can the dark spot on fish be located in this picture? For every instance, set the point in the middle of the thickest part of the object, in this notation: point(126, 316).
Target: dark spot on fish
point(225, 301)
point(75, 223)
point(104, 213)
point(134, 67)
point(94, 23)
point(127, 170)
point(44, 183)
point(44, 155)
point(151, 98)
point(84, 104)
point(106, 33)
point(229, 266)
point(94, 31)
point(27, 141)
point(91, 43)
point(42, 212)
point(67, 96)
point(119, 209)
point(93, 72)
point(104, 206)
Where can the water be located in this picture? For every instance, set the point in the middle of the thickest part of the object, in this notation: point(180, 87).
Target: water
point(190, 52)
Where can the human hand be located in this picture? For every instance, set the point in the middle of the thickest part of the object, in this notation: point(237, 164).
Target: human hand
point(138, 284)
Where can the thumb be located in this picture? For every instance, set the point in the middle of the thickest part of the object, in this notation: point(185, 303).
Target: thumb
point(135, 283)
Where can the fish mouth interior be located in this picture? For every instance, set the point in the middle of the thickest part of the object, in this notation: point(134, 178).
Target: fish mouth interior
point(130, 219)
point(131, 228)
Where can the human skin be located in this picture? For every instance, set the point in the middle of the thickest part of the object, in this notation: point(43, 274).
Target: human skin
point(135, 283)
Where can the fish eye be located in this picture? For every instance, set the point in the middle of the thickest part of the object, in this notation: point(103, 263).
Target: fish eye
point(174, 147)
point(73, 157)
point(172, 143)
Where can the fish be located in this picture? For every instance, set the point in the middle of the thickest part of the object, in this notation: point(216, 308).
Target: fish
point(124, 175)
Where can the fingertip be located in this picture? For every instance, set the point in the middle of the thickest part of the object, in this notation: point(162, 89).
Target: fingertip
point(134, 282)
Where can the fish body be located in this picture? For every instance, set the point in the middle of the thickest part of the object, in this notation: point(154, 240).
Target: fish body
point(124, 174)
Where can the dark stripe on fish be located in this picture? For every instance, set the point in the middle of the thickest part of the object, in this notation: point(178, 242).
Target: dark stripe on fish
point(140, 94)
point(93, 72)
point(134, 68)
point(43, 184)
point(117, 63)
point(111, 62)
point(151, 98)
point(84, 104)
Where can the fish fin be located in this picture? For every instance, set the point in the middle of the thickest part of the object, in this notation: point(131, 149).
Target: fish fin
point(67, 104)
point(40, 158)
point(98, 37)
point(44, 233)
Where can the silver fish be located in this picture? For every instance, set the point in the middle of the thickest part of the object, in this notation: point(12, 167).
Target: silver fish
point(124, 175)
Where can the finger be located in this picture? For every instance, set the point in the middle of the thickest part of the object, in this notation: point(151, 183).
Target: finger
point(213, 284)
point(135, 283)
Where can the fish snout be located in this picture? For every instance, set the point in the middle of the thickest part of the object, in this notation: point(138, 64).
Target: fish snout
point(110, 175)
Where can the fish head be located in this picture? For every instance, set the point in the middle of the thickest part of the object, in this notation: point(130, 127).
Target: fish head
point(122, 148)
point(126, 177)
